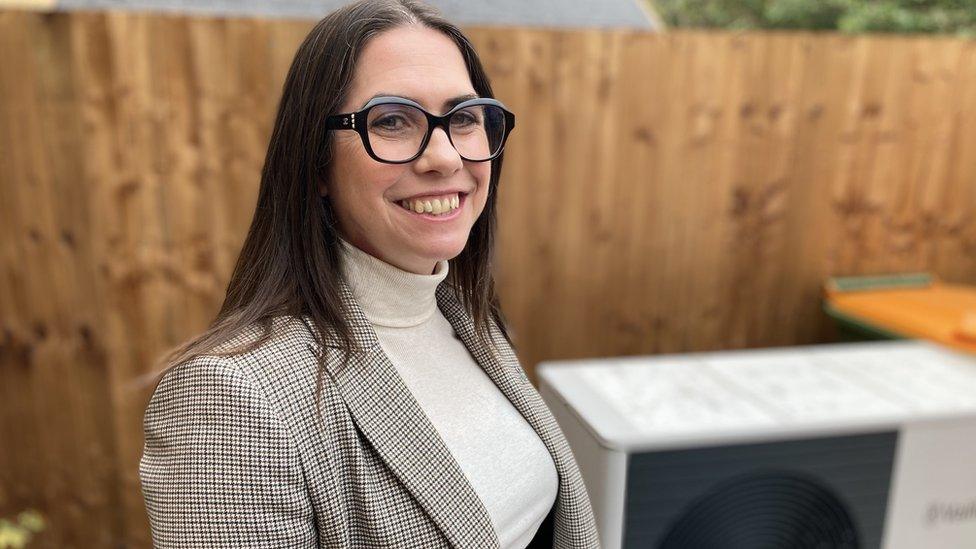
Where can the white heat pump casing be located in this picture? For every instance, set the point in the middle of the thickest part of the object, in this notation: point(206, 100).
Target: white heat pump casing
point(919, 398)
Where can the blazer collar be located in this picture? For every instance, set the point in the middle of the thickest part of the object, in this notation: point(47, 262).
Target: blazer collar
point(388, 415)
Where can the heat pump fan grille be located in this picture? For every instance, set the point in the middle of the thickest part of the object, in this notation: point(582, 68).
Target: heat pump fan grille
point(767, 510)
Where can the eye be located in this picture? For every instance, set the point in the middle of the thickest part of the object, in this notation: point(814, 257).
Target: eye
point(464, 118)
point(389, 122)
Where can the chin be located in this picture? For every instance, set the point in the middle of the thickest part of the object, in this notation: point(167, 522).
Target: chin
point(445, 250)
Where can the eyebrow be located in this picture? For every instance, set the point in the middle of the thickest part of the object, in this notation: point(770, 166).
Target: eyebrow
point(450, 103)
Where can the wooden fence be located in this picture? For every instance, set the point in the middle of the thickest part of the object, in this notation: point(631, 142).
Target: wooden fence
point(662, 193)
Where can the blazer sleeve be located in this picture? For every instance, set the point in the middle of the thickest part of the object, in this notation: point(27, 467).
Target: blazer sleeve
point(219, 468)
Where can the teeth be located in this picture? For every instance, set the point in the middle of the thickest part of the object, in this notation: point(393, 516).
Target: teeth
point(435, 206)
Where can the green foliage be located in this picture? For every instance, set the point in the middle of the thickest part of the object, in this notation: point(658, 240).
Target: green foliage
point(956, 17)
point(16, 534)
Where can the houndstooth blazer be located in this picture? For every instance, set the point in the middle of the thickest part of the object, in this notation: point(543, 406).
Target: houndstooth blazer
point(235, 455)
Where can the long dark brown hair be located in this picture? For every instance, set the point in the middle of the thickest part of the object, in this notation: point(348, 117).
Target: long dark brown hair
point(290, 261)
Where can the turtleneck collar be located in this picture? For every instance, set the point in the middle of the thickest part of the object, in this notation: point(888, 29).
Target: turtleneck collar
point(388, 295)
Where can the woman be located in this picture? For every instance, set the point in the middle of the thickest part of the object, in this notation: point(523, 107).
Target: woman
point(358, 387)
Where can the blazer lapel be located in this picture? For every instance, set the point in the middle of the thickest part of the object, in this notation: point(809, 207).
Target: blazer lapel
point(389, 416)
point(573, 517)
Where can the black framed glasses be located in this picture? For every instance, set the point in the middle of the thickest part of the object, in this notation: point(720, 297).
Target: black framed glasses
point(396, 130)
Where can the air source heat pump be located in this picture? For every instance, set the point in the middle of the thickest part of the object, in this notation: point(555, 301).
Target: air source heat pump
point(859, 445)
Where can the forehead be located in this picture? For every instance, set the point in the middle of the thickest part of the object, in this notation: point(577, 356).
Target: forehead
point(416, 62)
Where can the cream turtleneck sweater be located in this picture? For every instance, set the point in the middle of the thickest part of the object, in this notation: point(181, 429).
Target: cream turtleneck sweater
point(499, 453)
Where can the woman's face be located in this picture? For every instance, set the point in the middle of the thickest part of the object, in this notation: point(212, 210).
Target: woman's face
point(424, 65)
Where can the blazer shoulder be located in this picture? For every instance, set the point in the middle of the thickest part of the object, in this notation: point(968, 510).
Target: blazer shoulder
point(197, 388)
point(275, 383)
point(280, 365)
point(284, 366)
point(285, 333)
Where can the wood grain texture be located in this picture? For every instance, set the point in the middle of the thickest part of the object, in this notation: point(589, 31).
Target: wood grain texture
point(692, 191)
point(662, 193)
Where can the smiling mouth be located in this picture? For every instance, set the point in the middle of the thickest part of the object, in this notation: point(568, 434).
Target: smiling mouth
point(435, 206)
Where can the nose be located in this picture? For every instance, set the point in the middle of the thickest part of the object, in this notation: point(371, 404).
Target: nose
point(440, 155)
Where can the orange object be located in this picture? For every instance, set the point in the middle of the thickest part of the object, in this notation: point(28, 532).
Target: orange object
point(967, 329)
point(944, 313)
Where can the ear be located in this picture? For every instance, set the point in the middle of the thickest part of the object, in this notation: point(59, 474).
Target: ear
point(323, 190)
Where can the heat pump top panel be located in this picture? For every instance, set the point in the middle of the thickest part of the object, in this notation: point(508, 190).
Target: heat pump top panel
point(670, 401)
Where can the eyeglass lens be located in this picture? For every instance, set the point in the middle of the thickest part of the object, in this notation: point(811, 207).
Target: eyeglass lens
point(397, 131)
